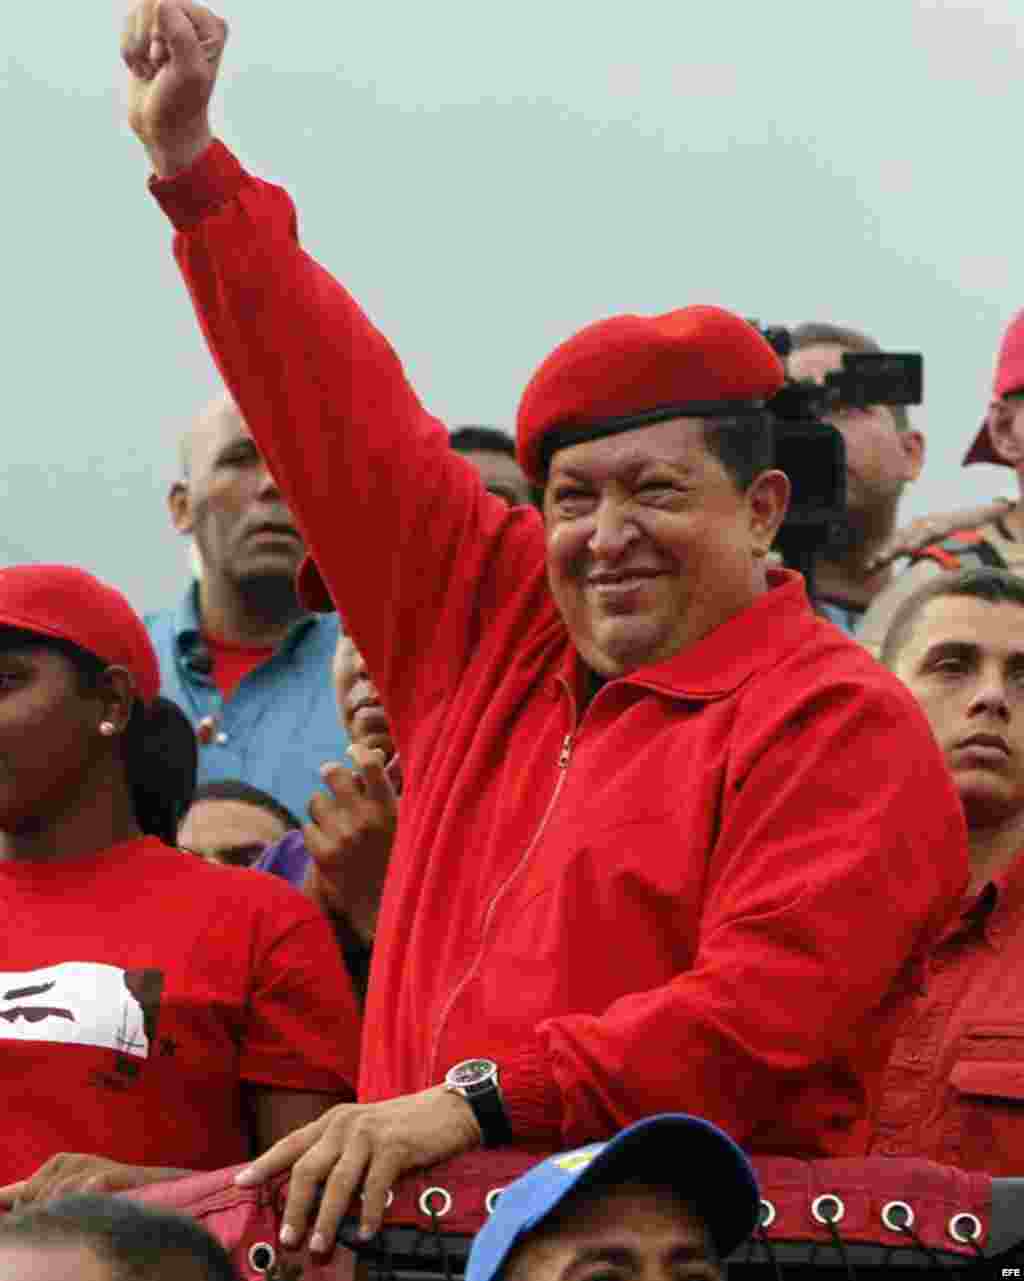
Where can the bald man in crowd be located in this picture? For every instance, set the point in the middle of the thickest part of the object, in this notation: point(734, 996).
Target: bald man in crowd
point(246, 663)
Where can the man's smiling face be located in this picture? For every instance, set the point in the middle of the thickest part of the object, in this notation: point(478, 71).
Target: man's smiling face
point(651, 544)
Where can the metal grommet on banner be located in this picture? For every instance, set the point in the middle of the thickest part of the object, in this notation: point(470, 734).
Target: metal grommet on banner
point(897, 1216)
point(426, 1203)
point(491, 1199)
point(828, 1208)
point(766, 1214)
point(262, 1256)
point(965, 1228)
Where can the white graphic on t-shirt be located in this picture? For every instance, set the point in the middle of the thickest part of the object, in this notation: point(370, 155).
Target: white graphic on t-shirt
point(76, 1002)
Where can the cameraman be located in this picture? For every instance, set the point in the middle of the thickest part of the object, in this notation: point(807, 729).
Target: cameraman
point(883, 454)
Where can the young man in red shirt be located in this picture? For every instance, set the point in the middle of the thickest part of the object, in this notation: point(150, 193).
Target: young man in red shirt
point(955, 1083)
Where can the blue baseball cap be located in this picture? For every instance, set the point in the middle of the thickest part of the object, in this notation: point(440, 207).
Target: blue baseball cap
point(689, 1154)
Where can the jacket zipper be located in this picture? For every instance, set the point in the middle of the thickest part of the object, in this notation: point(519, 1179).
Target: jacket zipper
point(563, 762)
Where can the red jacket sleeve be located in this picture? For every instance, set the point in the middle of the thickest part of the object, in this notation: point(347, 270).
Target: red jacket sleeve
point(409, 543)
point(835, 863)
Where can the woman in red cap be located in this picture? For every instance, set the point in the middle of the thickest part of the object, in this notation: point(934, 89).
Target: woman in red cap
point(158, 1014)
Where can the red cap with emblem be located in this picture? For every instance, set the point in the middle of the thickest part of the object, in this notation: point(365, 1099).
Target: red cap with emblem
point(70, 604)
point(627, 371)
point(1009, 376)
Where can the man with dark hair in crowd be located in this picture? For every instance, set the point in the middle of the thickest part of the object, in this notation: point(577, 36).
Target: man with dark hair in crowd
point(667, 1199)
point(493, 454)
point(998, 539)
point(108, 1239)
point(549, 681)
point(240, 656)
point(884, 453)
point(233, 823)
point(953, 1087)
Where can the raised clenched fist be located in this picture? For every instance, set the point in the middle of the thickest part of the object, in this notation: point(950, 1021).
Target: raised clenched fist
point(173, 50)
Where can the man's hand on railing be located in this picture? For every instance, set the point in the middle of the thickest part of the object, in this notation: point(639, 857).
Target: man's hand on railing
point(361, 1145)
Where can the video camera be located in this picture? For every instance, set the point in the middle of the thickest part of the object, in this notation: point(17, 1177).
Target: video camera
point(811, 451)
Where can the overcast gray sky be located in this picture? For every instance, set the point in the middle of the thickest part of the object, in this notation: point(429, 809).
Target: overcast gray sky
point(486, 178)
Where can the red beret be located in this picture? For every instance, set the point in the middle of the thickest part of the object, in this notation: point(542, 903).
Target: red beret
point(68, 603)
point(1009, 376)
point(628, 366)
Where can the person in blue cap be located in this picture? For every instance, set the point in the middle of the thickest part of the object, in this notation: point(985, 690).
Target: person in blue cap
point(666, 1199)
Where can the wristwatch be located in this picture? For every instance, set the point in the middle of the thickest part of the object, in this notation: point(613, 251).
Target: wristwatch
point(477, 1081)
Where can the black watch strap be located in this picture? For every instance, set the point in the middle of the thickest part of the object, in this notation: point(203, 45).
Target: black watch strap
point(478, 1082)
point(489, 1110)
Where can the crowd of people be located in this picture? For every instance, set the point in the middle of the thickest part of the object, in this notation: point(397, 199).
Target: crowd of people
point(635, 846)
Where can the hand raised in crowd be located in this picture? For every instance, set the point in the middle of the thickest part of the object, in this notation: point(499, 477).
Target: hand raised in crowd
point(349, 837)
point(925, 530)
point(362, 1145)
point(173, 50)
point(79, 1174)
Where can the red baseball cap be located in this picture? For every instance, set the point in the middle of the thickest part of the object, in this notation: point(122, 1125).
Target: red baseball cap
point(1009, 376)
point(626, 371)
point(70, 604)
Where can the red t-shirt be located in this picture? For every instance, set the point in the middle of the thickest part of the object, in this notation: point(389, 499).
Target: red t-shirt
point(231, 663)
point(140, 987)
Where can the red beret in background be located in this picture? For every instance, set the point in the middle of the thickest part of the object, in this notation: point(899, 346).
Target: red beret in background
point(631, 365)
point(67, 603)
point(1009, 376)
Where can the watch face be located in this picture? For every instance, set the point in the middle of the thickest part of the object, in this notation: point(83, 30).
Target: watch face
point(472, 1072)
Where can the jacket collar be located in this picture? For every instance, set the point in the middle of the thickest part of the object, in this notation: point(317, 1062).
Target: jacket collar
point(723, 660)
point(997, 906)
point(776, 621)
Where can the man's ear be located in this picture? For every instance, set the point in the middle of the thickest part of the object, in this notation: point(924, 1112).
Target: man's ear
point(768, 501)
point(1003, 433)
point(179, 504)
point(912, 444)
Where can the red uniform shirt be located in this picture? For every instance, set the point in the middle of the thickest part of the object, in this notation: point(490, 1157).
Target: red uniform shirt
point(710, 888)
point(954, 1088)
point(140, 988)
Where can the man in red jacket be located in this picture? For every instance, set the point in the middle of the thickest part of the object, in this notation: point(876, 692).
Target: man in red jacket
point(668, 840)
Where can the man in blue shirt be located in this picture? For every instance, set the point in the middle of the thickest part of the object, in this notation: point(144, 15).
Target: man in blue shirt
point(241, 657)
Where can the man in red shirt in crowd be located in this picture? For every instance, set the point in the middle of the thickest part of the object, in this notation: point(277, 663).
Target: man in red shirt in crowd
point(955, 1083)
point(662, 843)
